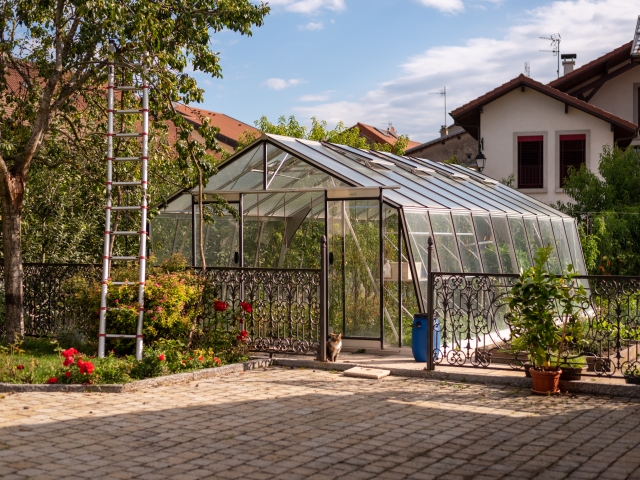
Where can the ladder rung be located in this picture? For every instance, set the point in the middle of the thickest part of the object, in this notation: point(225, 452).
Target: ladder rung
point(126, 208)
point(122, 232)
point(129, 111)
point(128, 88)
point(125, 184)
point(123, 258)
point(127, 159)
point(119, 335)
point(130, 284)
point(127, 135)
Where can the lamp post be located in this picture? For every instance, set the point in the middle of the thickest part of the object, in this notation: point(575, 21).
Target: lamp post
point(480, 161)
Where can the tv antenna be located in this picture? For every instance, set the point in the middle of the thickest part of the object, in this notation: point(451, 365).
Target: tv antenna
point(555, 47)
point(527, 70)
point(443, 92)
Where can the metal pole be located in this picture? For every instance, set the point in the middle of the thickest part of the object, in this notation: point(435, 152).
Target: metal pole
point(430, 321)
point(380, 272)
point(322, 346)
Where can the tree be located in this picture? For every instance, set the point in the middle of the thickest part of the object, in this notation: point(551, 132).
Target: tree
point(608, 211)
point(340, 134)
point(52, 78)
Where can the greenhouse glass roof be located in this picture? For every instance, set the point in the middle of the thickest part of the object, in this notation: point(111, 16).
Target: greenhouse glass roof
point(288, 190)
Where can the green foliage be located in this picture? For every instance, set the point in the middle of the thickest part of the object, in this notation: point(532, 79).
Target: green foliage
point(509, 181)
point(608, 208)
point(172, 302)
point(52, 127)
point(542, 306)
point(452, 160)
point(319, 131)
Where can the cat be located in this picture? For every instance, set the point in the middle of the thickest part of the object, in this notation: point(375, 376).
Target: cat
point(334, 345)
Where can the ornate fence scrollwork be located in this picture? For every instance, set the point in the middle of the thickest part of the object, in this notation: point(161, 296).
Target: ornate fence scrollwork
point(285, 317)
point(472, 320)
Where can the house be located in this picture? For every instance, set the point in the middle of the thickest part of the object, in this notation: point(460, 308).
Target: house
point(454, 141)
point(380, 135)
point(538, 132)
point(230, 128)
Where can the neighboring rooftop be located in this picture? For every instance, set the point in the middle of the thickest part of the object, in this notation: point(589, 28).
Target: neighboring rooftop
point(381, 135)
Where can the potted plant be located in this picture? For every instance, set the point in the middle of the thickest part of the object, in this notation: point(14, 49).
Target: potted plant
point(631, 372)
point(542, 306)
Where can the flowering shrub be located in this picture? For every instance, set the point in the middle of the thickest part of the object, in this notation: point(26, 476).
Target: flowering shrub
point(172, 303)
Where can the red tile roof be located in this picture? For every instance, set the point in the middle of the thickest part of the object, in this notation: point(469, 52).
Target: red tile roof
point(594, 68)
point(468, 116)
point(378, 135)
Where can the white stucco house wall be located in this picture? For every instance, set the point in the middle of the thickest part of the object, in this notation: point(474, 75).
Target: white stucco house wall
point(537, 132)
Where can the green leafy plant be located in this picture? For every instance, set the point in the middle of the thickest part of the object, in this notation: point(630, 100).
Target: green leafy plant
point(542, 307)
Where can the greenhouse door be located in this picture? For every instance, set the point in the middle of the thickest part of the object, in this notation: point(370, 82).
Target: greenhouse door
point(354, 268)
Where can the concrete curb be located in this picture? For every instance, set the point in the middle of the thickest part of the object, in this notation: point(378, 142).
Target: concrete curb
point(174, 379)
point(584, 388)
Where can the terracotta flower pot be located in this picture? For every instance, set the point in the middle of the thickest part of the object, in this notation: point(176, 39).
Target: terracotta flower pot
point(545, 383)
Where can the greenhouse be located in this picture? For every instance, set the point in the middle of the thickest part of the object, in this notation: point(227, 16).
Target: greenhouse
point(378, 211)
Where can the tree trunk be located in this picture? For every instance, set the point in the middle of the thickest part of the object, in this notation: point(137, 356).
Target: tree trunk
point(12, 203)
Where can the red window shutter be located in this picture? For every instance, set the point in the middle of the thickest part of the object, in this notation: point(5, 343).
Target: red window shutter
point(530, 138)
point(581, 136)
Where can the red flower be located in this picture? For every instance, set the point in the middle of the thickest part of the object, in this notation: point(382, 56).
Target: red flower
point(184, 362)
point(200, 359)
point(216, 360)
point(244, 333)
point(20, 367)
point(69, 353)
point(220, 306)
point(86, 367)
point(161, 357)
point(246, 307)
point(67, 374)
point(69, 361)
point(52, 380)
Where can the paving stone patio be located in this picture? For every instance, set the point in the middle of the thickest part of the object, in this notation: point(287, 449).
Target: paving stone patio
point(293, 423)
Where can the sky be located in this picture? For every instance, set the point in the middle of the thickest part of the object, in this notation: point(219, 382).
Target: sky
point(385, 61)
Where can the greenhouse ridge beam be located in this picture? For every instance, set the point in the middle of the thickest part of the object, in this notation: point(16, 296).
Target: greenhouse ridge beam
point(331, 192)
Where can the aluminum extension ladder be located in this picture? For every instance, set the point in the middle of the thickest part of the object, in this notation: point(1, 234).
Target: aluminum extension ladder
point(107, 258)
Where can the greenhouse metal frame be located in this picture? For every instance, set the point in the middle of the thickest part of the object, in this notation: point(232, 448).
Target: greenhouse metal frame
point(378, 211)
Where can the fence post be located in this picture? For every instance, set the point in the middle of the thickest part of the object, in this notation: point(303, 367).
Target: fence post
point(430, 321)
point(322, 345)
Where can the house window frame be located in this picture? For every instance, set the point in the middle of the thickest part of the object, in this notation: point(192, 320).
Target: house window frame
point(587, 153)
point(545, 159)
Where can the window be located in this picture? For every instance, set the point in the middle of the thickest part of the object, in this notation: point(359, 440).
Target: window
point(572, 154)
point(530, 161)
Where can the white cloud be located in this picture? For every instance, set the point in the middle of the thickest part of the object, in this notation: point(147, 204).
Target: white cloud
point(312, 26)
point(308, 6)
point(318, 97)
point(281, 83)
point(589, 28)
point(447, 6)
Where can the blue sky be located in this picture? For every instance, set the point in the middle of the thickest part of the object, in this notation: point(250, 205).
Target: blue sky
point(377, 61)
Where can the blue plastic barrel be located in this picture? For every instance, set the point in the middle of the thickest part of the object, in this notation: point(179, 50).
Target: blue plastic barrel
point(419, 334)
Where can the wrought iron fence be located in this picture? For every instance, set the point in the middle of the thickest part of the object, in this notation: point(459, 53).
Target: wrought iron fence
point(286, 306)
point(471, 323)
point(47, 290)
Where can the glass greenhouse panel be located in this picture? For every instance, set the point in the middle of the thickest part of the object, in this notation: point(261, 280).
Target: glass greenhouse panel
point(220, 241)
point(419, 231)
point(561, 242)
point(548, 239)
point(467, 243)
point(286, 171)
point(356, 225)
point(505, 246)
point(170, 235)
point(445, 242)
point(487, 244)
point(410, 304)
point(519, 236)
point(574, 245)
point(391, 275)
point(533, 234)
point(244, 173)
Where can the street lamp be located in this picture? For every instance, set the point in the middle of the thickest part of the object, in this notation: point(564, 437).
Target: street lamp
point(480, 161)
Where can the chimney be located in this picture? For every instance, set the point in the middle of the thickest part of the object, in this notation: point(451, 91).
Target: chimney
point(444, 131)
point(568, 62)
point(392, 130)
